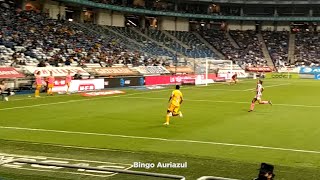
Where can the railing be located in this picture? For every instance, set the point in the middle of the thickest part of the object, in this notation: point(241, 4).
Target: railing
point(188, 15)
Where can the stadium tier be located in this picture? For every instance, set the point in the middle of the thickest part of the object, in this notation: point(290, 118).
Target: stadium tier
point(85, 86)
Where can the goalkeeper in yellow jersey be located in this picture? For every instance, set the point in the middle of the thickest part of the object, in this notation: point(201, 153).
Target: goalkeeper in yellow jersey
point(175, 100)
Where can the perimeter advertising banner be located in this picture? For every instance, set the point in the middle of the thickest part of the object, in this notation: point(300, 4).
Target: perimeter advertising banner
point(281, 76)
point(227, 73)
point(259, 69)
point(9, 72)
point(123, 82)
point(57, 71)
point(310, 70)
point(78, 85)
point(114, 71)
point(179, 79)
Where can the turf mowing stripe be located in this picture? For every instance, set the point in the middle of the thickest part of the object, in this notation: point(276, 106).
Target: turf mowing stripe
point(235, 102)
point(126, 96)
point(78, 100)
point(162, 139)
point(276, 85)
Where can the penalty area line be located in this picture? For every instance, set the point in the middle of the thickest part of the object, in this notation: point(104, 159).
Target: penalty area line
point(162, 139)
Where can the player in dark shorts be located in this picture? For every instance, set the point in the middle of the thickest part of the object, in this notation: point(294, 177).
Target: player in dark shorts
point(234, 79)
point(5, 92)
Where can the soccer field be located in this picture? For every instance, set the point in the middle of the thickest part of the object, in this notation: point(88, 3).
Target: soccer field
point(216, 136)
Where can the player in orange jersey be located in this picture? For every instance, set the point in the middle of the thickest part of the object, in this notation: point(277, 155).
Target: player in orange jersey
point(38, 84)
point(50, 80)
point(175, 100)
point(68, 81)
point(234, 79)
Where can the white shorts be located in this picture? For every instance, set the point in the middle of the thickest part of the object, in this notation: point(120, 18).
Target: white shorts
point(258, 96)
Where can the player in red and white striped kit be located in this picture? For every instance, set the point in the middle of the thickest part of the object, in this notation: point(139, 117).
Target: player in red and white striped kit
point(259, 90)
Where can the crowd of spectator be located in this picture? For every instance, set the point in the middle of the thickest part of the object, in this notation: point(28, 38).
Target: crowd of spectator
point(278, 45)
point(307, 51)
point(250, 50)
point(28, 37)
point(32, 35)
point(248, 53)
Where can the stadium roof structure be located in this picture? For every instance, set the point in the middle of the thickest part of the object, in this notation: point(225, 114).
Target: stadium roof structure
point(260, 1)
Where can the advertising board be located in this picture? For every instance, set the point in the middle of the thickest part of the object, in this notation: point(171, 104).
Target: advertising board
point(123, 82)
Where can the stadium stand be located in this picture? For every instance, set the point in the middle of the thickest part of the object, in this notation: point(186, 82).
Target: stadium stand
point(197, 48)
point(307, 48)
point(277, 44)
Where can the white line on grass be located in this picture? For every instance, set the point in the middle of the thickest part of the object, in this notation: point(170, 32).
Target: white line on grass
point(162, 139)
point(126, 96)
point(65, 159)
point(78, 100)
point(64, 95)
point(235, 102)
point(276, 85)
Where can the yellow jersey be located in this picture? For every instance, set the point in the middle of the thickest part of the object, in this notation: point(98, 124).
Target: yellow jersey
point(176, 97)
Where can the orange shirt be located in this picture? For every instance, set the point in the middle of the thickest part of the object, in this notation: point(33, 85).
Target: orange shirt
point(51, 80)
point(38, 80)
point(68, 79)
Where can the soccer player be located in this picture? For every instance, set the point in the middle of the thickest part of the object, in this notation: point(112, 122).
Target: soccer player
point(68, 81)
point(234, 79)
point(259, 90)
point(38, 84)
point(5, 92)
point(50, 80)
point(175, 100)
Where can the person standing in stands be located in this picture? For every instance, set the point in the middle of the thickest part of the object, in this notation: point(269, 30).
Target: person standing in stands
point(38, 84)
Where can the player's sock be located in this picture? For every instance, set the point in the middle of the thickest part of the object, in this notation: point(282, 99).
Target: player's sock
point(37, 93)
point(252, 107)
point(180, 114)
point(264, 102)
point(167, 119)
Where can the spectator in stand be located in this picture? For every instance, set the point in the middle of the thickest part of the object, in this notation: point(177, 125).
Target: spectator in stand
point(77, 75)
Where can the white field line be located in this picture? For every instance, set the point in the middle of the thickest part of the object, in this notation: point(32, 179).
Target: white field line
point(78, 100)
point(234, 102)
point(88, 99)
point(64, 172)
point(127, 96)
point(276, 85)
point(163, 139)
point(63, 95)
point(65, 159)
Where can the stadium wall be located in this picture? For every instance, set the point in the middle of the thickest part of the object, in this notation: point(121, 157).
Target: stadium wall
point(267, 25)
point(103, 17)
point(174, 24)
point(234, 25)
point(283, 26)
point(118, 19)
point(109, 18)
point(248, 25)
point(54, 8)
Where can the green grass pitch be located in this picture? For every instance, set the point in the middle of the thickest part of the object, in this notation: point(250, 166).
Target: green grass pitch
point(216, 136)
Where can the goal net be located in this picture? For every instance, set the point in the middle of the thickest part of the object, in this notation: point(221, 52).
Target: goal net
point(209, 70)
